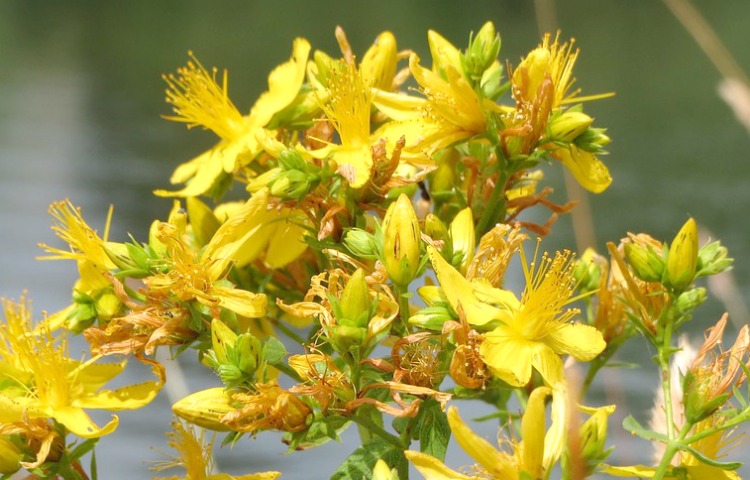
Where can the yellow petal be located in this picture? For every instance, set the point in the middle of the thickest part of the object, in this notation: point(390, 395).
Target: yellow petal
point(79, 423)
point(458, 291)
point(548, 364)
point(639, 471)
point(495, 462)
point(590, 172)
point(284, 83)
point(556, 437)
point(584, 342)
point(463, 237)
point(125, 398)
point(398, 106)
point(508, 355)
point(286, 239)
point(355, 164)
point(94, 375)
point(432, 468)
point(205, 170)
point(241, 302)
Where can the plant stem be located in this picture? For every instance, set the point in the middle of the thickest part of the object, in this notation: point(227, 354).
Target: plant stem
point(403, 306)
point(671, 450)
point(370, 426)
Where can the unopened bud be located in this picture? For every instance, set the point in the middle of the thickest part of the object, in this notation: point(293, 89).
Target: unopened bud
point(444, 54)
point(222, 339)
point(247, 350)
point(529, 75)
point(355, 300)
point(431, 318)
point(378, 65)
point(690, 300)
point(593, 140)
point(383, 472)
point(291, 184)
point(10, 457)
point(683, 256)
point(569, 125)
point(401, 244)
point(361, 243)
point(463, 238)
point(205, 408)
point(588, 271)
point(482, 52)
point(712, 259)
point(646, 263)
point(202, 220)
point(107, 306)
point(594, 436)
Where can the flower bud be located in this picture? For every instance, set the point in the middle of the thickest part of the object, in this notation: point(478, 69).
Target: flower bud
point(120, 256)
point(442, 180)
point(588, 271)
point(593, 437)
point(491, 84)
point(401, 245)
point(690, 300)
point(378, 65)
point(361, 243)
point(10, 457)
point(431, 318)
point(482, 52)
point(683, 256)
point(463, 238)
point(712, 259)
point(528, 77)
point(291, 184)
point(222, 339)
point(444, 54)
point(567, 126)
point(248, 353)
point(646, 263)
point(355, 300)
point(202, 220)
point(383, 472)
point(107, 305)
point(205, 408)
point(593, 140)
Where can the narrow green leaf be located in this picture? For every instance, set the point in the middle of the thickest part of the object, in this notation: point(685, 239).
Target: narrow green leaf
point(631, 424)
point(710, 461)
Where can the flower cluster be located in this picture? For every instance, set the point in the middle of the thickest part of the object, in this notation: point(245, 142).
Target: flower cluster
point(394, 305)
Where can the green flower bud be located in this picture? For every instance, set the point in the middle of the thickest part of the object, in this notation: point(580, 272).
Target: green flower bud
point(593, 140)
point(482, 52)
point(682, 260)
point(247, 353)
point(401, 244)
point(431, 318)
point(263, 180)
point(712, 259)
point(120, 255)
point(491, 83)
point(347, 338)
point(690, 300)
point(646, 263)
point(699, 405)
point(567, 126)
point(444, 54)
point(588, 271)
point(361, 243)
point(436, 229)
point(355, 300)
point(291, 184)
point(594, 436)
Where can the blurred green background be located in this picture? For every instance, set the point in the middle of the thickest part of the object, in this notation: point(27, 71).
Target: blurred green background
point(81, 98)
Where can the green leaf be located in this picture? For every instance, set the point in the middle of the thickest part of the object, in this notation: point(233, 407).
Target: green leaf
point(82, 449)
point(710, 461)
point(631, 424)
point(434, 431)
point(360, 463)
point(321, 430)
point(273, 350)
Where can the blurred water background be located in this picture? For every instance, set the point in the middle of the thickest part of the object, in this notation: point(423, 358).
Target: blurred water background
point(80, 104)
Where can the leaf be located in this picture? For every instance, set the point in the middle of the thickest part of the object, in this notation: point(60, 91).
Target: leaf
point(321, 430)
point(360, 463)
point(434, 431)
point(710, 461)
point(631, 424)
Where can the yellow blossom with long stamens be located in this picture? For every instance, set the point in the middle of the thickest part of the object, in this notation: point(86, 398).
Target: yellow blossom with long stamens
point(195, 456)
point(540, 329)
point(531, 457)
point(44, 383)
point(199, 100)
point(348, 110)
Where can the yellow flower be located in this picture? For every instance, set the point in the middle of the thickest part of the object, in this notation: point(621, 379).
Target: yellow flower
point(531, 457)
point(588, 170)
point(348, 110)
point(539, 330)
point(42, 381)
point(199, 275)
point(199, 100)
point(196, 457)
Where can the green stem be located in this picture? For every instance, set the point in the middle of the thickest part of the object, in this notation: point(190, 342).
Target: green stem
point(380, 432)
point(403, 306)
point(666, 376)
point(673, 446)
